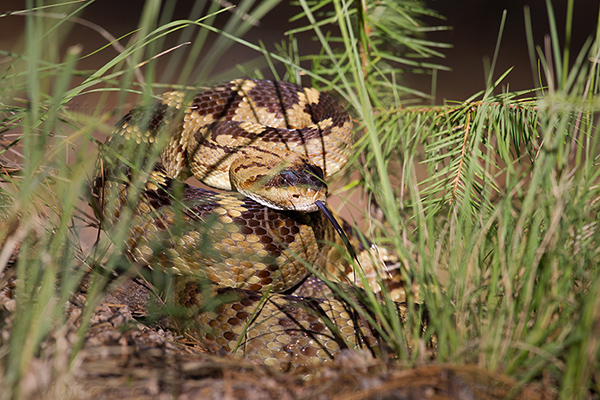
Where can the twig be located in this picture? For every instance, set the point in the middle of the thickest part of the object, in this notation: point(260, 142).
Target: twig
point(462, 156)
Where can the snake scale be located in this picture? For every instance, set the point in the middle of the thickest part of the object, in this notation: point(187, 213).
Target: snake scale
point(243, 256)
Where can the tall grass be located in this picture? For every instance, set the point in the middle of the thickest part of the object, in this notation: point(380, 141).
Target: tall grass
point(504, 226)
point(47, 157)
point(501, 234)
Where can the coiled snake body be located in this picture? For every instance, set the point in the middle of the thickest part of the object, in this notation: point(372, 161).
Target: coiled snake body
point(274, 143)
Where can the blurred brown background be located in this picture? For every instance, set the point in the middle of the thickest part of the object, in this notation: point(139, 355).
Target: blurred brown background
point(475, 30)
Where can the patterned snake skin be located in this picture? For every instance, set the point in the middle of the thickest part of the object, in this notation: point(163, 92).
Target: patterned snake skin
point(239, 257)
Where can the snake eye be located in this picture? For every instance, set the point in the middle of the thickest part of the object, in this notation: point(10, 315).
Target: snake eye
point(308, 176)
point(289, 177)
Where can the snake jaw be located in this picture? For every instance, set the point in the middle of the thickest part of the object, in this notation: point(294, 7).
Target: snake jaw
point(302, 199)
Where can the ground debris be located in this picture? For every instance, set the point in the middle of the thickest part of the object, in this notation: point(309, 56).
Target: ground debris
point(124, 358)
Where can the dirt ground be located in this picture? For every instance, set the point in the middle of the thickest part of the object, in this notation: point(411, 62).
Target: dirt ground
point(124, 358)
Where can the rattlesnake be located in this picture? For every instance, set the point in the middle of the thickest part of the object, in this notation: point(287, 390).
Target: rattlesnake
point(275, 143)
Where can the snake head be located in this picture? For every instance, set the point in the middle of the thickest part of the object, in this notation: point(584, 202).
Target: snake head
point(289, 182)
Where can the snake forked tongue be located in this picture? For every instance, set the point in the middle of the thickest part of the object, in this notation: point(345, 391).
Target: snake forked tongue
point(327, 212)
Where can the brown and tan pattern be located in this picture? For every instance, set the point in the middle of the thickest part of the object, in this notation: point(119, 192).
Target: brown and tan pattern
point(239, 255)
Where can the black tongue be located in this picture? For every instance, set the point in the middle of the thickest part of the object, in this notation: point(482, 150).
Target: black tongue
point(337, 227)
